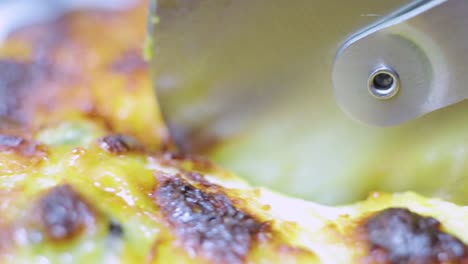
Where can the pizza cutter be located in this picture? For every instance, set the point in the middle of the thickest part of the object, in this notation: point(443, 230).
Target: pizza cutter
point(279, 91)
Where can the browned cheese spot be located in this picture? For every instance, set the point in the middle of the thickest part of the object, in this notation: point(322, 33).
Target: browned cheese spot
point(7, 141)
point(15, 79)
point(207, 224)
point(27, 148)
point(406, 237)
point(119, 143)
point(197, 177)
point(64, 214)
point(20, 89)
point(199, 163)
point(29, 87)
point(129, 62)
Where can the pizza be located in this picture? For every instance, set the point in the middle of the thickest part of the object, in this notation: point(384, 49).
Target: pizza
point(89, 174)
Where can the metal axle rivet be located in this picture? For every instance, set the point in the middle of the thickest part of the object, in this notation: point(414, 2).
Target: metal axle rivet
point(383, 83)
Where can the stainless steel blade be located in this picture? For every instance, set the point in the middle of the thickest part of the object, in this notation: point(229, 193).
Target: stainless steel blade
point(249, 83)
point(223, 66)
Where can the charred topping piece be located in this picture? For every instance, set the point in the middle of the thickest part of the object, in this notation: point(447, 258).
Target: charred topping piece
point(207, 224)
point(119, 143)
point(405, 237)
point(20, 145)
point(115, 229)
point(14, 79)
point(63, 213)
